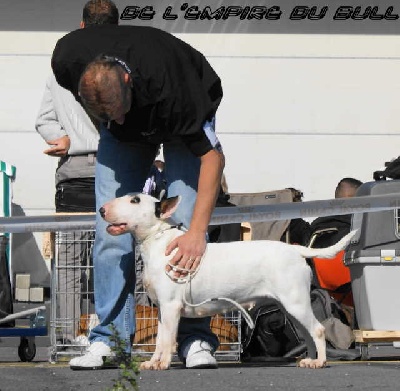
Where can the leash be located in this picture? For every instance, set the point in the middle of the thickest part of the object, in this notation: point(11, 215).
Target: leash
point(245, 313)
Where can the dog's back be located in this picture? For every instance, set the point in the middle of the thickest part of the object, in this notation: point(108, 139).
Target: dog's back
point(247, 271)
point(255, 269)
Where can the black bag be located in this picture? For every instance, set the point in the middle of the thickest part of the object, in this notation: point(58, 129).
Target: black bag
point(76, 195)
point(6, 302)
point(392, 171)
point(274, 336)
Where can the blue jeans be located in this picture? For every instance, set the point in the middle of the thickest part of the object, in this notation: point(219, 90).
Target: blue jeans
point(123, 168)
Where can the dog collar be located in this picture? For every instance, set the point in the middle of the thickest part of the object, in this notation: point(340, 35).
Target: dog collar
point(177, 226)
point(158, 234)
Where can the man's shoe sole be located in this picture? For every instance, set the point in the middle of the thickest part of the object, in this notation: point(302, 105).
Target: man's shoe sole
point(107, 364)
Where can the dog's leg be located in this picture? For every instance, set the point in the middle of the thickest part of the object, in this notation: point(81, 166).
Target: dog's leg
point(170, 319)
point(154, 361)
point(166, 337)
point(314, 336)
point(313, 331)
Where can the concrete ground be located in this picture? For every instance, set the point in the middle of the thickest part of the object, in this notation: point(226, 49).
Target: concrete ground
point(380, 372)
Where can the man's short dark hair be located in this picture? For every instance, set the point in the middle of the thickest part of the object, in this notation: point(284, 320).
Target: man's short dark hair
point(101, 88)
point(97, 12)
point(351, 181)
point(347, 187)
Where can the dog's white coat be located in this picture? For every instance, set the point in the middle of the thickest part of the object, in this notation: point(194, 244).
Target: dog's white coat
point(246, 272)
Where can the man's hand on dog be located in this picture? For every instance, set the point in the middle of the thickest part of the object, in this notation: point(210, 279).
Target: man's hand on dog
point(190, 249)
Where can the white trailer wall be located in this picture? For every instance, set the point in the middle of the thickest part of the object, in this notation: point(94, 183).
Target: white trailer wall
point(300, 110)
point(296, 108)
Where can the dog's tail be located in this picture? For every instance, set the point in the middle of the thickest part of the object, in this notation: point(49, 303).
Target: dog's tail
point(328, 252)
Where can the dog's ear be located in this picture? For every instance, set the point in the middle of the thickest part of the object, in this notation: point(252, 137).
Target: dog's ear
point(165, 208)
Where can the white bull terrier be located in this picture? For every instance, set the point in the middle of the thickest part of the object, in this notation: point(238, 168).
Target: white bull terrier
point(243, 272)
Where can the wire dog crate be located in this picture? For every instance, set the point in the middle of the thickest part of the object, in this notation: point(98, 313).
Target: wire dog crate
point(72, 298)
point(72, 305)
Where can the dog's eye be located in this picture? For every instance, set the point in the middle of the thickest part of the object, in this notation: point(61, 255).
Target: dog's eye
point(135, 200)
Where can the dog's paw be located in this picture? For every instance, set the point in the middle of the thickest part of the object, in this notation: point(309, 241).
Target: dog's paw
point(146, 365)
point(310, 363)
point(164, 365)
point(154, 365)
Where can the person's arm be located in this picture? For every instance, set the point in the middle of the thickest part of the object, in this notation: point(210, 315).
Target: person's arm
point(48, 125)
point(191, 246)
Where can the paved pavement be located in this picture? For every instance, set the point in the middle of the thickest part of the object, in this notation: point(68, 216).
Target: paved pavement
point(382, 372)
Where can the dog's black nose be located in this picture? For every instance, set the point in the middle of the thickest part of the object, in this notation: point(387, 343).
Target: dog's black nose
point(102, 212)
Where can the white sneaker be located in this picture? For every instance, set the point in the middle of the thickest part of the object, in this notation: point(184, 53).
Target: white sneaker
point(199, 355)
point(93, 358)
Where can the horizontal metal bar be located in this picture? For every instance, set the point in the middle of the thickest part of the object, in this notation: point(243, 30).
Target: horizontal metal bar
point(226, 215)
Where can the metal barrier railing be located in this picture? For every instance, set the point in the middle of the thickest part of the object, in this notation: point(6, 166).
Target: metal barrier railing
point(226, 215)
